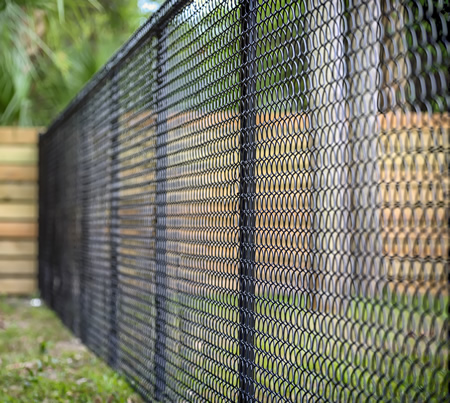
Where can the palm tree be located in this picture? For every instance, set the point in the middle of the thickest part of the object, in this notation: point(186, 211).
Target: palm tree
point(50, 49)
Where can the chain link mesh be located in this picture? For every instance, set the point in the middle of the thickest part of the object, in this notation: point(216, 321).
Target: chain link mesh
point(250, 202)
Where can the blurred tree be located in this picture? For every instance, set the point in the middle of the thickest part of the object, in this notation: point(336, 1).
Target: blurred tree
point(50, 48)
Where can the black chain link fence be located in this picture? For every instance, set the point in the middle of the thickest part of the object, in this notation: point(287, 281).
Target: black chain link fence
point(250, 202)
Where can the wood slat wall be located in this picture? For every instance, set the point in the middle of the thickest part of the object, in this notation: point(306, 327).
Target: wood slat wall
point(18, 210)
point(18, 191)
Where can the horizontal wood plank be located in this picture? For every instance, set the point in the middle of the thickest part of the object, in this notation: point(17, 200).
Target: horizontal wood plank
point(20, 173)
point(22, 154)
point(19, 135)
point(24, 211)
point(18, 191)
point(18, 248)
point(18, 230)
point(18, 286)
point(12, 267)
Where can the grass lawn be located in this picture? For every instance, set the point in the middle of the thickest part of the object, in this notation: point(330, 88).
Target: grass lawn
point(40, 361)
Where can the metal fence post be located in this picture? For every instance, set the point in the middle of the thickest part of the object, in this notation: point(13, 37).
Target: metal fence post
point(42, 219)
point(114, 218)
point(247, 190)
point(84, 228)
point(161, 276)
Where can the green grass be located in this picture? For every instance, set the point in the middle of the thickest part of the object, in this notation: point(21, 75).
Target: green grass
point(384, 350)
point(40, 361)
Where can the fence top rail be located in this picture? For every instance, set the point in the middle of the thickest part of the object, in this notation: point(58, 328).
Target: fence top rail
point(153, 24)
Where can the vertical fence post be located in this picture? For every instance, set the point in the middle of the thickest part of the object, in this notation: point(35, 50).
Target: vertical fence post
point(42, 218)
point(114, 217)
point(247, 190)
point(161, 276)
point(83, 169)
point(78, 247)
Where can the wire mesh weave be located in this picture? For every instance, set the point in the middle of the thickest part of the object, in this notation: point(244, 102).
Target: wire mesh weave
point(250, 202)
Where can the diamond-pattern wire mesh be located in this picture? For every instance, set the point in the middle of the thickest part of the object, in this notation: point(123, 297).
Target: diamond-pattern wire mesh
point(250, 202)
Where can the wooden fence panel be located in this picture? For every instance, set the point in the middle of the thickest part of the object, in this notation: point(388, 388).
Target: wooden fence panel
point(18, 210)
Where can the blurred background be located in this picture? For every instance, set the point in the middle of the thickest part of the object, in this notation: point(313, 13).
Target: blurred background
point(51, 48)
point(48, 50)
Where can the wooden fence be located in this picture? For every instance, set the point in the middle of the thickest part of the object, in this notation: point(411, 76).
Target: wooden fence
point(18, 196)
point(18, 210)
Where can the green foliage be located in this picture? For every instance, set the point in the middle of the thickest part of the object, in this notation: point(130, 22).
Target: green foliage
point(427, 38)
point(50, 49)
